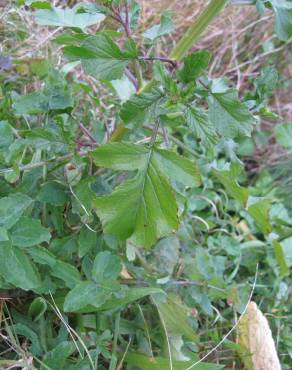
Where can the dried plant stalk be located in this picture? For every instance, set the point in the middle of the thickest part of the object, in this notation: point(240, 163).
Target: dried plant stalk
point(257, 347)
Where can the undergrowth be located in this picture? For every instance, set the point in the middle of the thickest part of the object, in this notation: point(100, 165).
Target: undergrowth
point(138, 214)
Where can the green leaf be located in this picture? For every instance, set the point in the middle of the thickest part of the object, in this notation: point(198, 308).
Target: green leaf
point(17, 269)
point(141, 108)
point(84, 295)
point(164, 28)
point(3, 235)
point(56, 358)
point(284, 135)
point(67, 18)
point(228, 180)
point(283, 18)
point(37, 308)
point(28, 232)
point(129, 295)
point(87, 240)
point(194, 65)
point(42, 256)
point(176, 317)
point(143, 208)
point(6, 134)
point(280, 257)
point(12, 208)
point(66, 272)
point(259, 210)
point(100, 57)
point(159, 363)
point(230, 117)
point(106, 267)
point(23, 330)
point(54, 193)
point(287, 250)
point(198, 121)
point(178, 168)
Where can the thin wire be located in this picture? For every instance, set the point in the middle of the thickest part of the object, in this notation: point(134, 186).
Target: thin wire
point(233, 328)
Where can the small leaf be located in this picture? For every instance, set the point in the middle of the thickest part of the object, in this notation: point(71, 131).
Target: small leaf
point(12, 208)
point(106, 267)
point(198, 121)
point(28, 232)
point(54, 193)
point(194, 65)
point(259, 210)
point(17, 269)
point(227, 178)
point(56, 358)
point(280, 257)
point(141, 108)
point(164, 28)
point(6, 134)
point(87, 241)
point(230, 117)
point(66, 272)
point(85, 294)
point(67, 18)
point(37, 308)
point(284, 135)
point(100, 57)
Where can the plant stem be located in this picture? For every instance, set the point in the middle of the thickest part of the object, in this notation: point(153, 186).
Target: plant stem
point(197, 28)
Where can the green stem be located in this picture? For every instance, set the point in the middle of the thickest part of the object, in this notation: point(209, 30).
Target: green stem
point(197, 28)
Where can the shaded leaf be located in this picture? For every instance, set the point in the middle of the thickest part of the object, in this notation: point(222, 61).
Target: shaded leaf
point(28, 232)
point(17, 269)
point(12, 208)
point(106, 267)
point(284, 135)
point(259, 210)
point(164, 28)
point(194, 65)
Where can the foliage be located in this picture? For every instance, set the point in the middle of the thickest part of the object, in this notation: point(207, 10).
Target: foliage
point(131, 233)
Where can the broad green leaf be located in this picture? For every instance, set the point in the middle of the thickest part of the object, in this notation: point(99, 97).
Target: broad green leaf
point(228, 180)
point(194, 65)
point(66, 272)
point(17, 269)
point(6, 134)
point(56, 358)
point(84, 295)
point(176, 317)
point(280, 258)
point(284, 135)
point(12, 208)
point(230, 117)
point(259, 210)
point(28, 232)
point(106, 267)
point(54, 193)
point(198, 121)
point(3, 235)
point(121, 156)
point(100, 57)
point(287, 250)
point(87, 240)
point(143, 208)
point(159, 363)
point(177, 168)
point(67, 18)
point(42, 256)
point(142, 108)
point(129, 295)
point(164, 28)
point(25, 331)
